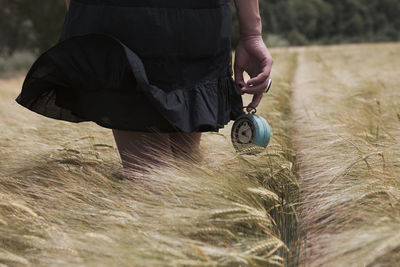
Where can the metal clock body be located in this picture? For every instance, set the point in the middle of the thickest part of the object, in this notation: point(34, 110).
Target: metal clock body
point(250, 130)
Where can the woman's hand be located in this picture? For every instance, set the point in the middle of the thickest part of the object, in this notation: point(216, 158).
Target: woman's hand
point(67, 2)
point(253, 57)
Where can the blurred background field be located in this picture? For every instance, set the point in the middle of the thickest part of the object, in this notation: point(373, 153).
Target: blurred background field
point(25, 25)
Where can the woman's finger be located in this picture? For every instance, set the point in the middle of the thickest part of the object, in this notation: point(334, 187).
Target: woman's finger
point(239, 78)
point(255, 101)
point(265, 73)
point(260, 78)
point(257, 89)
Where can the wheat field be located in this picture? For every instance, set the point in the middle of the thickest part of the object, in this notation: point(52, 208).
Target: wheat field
point(64, 199)
point(347, 137)
point(325, 192)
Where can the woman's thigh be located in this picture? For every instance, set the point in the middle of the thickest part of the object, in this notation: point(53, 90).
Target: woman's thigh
point(140, 150)
point(185, 144)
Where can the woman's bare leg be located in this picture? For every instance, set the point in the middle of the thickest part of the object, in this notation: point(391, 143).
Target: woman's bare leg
point(185, 145)
point(138, 149)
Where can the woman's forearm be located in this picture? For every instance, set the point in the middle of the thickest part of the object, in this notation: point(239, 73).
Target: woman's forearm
point(249, 18)
point(67, 3)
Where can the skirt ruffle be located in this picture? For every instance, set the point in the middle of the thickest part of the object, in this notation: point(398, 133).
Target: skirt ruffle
point(95, 77)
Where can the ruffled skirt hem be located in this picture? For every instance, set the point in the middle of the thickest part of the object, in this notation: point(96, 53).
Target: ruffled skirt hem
point(95, 77)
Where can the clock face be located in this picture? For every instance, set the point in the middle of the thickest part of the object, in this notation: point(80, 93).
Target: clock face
point(243, 132)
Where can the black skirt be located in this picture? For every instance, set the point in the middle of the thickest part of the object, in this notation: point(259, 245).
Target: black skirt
point(139, 65)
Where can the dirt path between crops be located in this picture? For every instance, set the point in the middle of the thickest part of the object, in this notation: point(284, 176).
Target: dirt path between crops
point(305, 116)
point(302, 103)
point(301, 99)
point(299, 102)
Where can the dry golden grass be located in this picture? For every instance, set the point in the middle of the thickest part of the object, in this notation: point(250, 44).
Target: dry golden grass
point(64, 200)
point(347, 106)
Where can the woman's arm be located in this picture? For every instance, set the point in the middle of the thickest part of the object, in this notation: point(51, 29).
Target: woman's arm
point(249, 18)
point(252, 56)
point(67, 3)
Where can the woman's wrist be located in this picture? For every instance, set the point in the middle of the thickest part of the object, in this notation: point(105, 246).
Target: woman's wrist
point(249, 37)
point(250, 25)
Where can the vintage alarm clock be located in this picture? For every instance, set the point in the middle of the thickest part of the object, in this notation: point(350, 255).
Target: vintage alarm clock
point(251, 130)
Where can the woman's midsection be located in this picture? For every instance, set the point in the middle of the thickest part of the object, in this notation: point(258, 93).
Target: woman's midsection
point(153, 32)
point(159, 3)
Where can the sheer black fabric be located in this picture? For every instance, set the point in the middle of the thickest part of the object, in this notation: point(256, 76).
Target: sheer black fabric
point(129, 65)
